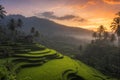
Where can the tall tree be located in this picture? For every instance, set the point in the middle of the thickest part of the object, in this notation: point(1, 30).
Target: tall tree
point(2, 11)
point(101, 31)
point(2, 14)
point(115, 26)
point(19, 26)
point(19, 23)
point(12, 25)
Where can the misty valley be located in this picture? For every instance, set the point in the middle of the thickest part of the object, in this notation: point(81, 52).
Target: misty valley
point(41, 48)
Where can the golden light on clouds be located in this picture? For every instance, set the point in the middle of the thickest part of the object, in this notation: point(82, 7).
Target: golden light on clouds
point(112, 1)
point(91, 24)
point(88, 14)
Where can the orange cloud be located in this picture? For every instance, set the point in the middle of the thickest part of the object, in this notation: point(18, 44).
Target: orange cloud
point(78, 4)
point(112, 1)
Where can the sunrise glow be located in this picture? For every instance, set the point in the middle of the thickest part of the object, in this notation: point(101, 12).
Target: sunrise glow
point(87, 14)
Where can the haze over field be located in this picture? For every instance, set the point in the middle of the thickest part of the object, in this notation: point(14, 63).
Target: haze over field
point(59, 39)
point(79, 13)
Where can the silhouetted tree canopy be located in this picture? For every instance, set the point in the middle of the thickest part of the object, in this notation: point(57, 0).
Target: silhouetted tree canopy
point(115, 26)
point(2, 11)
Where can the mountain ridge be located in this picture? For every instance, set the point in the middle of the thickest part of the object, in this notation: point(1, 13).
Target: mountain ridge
point(59, 37)
point(50, 27)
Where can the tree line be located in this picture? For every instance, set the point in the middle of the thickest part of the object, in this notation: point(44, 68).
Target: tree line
point(101, 35)
point(103, 53)
point(13, 31)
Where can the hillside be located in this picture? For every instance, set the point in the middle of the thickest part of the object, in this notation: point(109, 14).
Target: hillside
point(63, 38)
point(47, 27)
point(36, 62)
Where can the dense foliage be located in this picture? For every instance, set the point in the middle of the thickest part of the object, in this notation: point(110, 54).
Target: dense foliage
point(103, 57)
point(103, 53)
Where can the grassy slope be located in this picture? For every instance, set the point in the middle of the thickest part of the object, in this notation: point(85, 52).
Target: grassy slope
point(53, 69)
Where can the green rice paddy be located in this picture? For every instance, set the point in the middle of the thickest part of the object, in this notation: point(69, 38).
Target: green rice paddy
point(36, 62)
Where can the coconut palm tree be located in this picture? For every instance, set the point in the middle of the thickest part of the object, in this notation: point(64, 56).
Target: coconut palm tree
point(101, 31)
point(11, 27)
point(19, 23)
point(2, 14)
point(115, 26)
point(2, 11)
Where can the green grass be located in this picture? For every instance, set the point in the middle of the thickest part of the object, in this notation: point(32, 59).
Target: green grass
point(40, 63)
point(53, 70)
point(40, 52)
point(52, 52)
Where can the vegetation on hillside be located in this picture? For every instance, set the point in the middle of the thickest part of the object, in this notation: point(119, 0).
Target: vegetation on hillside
point(103, 53)
point(21, 56)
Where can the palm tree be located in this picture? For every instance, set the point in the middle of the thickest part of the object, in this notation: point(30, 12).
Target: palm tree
point(2, 11)
point(19, 26)
point(115, 25)
point(19, 23)
point(11, 27)
point(101, 31)
point(2, 14)
point(32, 34)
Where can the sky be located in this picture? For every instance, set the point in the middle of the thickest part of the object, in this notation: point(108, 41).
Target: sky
point(88, 14)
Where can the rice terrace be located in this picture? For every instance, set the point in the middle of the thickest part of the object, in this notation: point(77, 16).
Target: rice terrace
point(34, 62)
point(59, 40)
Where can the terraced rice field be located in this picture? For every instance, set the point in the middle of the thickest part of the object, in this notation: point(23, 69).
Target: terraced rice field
point(36, 62)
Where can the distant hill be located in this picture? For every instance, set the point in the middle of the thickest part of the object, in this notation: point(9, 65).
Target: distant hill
point(48, 27)
point(54, 35)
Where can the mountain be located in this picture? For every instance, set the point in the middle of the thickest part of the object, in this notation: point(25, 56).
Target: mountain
point(48, 27)
point(60, 37)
